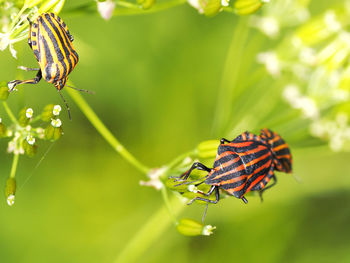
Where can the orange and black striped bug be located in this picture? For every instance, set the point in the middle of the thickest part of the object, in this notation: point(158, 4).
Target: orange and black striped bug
point(245, 164)
point(51, 42)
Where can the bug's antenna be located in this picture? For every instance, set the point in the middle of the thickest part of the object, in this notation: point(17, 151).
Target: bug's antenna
point(82, 90)
point(65, 102)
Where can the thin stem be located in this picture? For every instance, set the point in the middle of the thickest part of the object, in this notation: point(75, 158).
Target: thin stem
point(17, 16)
point(149, 233)
point(105, 133)
point(9, 112)
point(165, 196)
point(230, 75)
point(14, 165)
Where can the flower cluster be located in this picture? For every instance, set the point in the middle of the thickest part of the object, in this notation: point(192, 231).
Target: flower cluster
point(13, 20)
point(23, 135)
point(316, 69)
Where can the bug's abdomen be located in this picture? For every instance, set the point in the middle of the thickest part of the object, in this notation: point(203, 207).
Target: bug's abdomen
point(283, 156)
point(229, 173)
point(57, 57)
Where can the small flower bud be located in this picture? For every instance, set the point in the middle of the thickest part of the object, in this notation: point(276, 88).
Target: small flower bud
point(53, 133)
point(246, 7)
point(24, 116)
point(4, 92)
point(10, 191)
point(212, 7)
point(48, 113)
point(208, 149)
point(146, 4)
point(189, 227)
point(29, 146)
point(3, 129)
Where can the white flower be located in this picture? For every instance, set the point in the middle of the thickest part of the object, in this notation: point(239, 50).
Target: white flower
point(271, 62)
point(30, 139)
point(56, 110)
point(225, 2)
point(196, 4)
point(331, 21)
point(192, 188)
point(208, 230)
point(267, 24)
point(56, 123)
point(106, 9)
point(10, 200)
point(29, 113)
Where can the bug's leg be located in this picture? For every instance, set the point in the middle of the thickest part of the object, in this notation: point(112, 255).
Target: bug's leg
point(30, 32)
point(28, 69)
point(223, 140)
point(12, 84)
point(244, 200)
point(196, 165)
point(264, 189)
point(217, 195)
point(217, 200)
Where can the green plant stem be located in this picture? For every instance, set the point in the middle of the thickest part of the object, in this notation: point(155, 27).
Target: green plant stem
point(230, 75)
point(14, 165)
point(105, 133)
point(165, 196)
point(149, 233)
point(9, 112)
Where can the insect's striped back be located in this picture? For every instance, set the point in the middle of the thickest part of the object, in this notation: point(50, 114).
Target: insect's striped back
point(239, 166)
point(283, 157)
point(54, 51)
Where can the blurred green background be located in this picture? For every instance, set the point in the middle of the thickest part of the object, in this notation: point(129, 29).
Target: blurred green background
point(157, 79)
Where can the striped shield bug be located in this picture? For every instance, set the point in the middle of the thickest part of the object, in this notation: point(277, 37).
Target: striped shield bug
point(245, 164)
point(280, 149)
point(51, 42)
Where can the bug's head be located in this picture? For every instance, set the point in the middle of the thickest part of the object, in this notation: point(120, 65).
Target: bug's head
point(60, 83)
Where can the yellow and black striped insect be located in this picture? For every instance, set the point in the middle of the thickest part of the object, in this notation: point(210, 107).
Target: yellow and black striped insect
point(51, 42)
point(245, 164)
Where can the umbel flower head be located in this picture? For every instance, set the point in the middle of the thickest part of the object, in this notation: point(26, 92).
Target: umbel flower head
point(23, 137)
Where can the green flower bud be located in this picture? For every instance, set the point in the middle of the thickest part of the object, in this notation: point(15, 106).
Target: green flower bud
point(212, 7)
point(25, 116)
point(3, 129)
point(29, 146)
point(4, 92)
point(246, 7)
point(189, 227)
point(53, 133)
point(10, 191)
point(146, 4)
point(208, 149)
point(47, 113)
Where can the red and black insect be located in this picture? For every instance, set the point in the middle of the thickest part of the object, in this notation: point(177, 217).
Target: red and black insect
point(245, 164)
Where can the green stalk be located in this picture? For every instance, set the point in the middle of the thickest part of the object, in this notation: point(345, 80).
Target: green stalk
point(149, 233)
point(105, 133)
point(230, 76)
point(14, 165)
point(9, 112)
